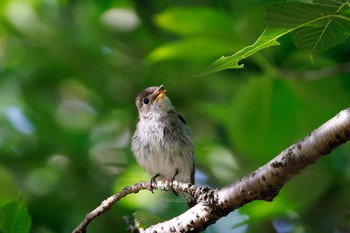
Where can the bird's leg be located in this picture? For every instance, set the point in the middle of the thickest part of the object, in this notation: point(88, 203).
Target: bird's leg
point(173, 178)
point(152, 181)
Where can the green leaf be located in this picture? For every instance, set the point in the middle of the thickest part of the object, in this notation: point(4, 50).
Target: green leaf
point(191, 21)
point(290, 15)
point(147, 219)
point(267, 39)
point(268, 114)
point(200, 47)
point(7, 180)
point(14, 218)
point(260, 118)
point(205, 34)
point(319, 39)
point(315, 27)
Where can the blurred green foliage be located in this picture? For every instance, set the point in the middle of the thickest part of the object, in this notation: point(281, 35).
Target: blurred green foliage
point(69, 74)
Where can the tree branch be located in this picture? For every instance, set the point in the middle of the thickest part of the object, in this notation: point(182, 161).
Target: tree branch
point(199, 193)
point(311, 75)
point(263, 184)
point(107, 204)
point(266, 181)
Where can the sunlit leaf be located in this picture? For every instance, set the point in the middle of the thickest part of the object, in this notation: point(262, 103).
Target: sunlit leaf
point(200, 47)
point(267, 39)
point(189, 21)
point(14, 218)
point(7, 180)
point(207, 33)
point(146, 219)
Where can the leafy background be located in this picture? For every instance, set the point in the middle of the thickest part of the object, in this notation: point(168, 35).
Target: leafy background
point(69, 74)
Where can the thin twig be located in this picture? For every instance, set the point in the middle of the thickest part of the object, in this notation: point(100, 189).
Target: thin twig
point(107, 204)
point(131, 226)
point(322, 73)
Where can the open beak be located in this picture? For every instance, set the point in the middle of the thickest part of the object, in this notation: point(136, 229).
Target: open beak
point(158, 94)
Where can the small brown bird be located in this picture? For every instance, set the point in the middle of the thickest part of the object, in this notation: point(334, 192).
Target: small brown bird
point(162, 142)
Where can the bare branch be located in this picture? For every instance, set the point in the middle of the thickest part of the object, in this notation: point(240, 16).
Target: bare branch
point(107, 204)
point(317, 74)
point(263, 184)
point(200, 194)
point(266, 181)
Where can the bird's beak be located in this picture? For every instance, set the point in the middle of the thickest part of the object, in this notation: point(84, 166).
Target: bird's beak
point(159, 93)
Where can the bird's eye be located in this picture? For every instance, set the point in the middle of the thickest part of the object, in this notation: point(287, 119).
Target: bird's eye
point(145, 100)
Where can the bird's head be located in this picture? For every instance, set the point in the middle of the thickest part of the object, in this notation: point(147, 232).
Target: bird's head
point(153, 100)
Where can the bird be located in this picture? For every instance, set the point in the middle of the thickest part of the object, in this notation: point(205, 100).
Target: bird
point(162, 142)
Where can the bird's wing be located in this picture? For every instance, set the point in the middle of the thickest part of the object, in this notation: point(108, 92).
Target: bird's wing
point(182, 119)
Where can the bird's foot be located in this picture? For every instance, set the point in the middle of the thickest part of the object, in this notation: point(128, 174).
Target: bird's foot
point(170, 181)
point(153, 182)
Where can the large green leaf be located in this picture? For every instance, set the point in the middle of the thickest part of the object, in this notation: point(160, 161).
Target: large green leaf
point(200, 47)
point(315, 27)
point(319, 39)
point(267, 115)
point(290, 15)
point(263, 111)
point(14, 218)
point(206, 33)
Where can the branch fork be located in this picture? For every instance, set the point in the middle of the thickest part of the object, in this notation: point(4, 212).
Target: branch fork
point(262, 184)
